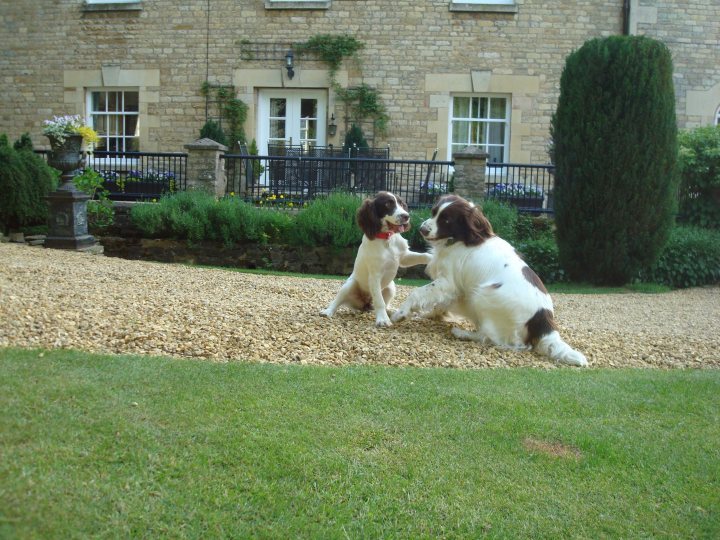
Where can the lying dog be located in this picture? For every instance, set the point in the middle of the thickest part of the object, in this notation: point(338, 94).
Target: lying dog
point(480, 277)
point(382, 251)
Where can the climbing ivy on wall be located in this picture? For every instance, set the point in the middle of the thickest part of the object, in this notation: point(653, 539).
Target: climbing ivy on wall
point(232, 110)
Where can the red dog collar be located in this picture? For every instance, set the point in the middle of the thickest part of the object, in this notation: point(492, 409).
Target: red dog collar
point(384, 235)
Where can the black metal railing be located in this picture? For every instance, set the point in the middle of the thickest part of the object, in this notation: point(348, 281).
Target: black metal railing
point(131, 176)
point(298, 180)
point(527, 187)
point(134, 176)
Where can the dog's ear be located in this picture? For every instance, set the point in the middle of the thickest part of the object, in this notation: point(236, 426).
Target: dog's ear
point(368, 220)
point(477, 228)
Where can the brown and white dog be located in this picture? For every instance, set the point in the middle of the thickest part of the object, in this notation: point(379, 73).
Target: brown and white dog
point(479, 276)
point(382, 251)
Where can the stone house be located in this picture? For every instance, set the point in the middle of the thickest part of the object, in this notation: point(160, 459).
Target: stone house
point(451, 73)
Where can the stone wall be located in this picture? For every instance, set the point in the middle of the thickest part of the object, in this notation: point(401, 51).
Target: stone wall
point(418, 54)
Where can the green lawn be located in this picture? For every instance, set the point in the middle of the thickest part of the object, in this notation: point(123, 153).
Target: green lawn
point(141, 447)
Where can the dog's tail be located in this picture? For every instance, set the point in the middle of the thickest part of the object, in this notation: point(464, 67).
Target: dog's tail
point(553, 346)
point(542, 334)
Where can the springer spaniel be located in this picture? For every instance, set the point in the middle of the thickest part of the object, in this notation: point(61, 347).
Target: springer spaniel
point(382, 251)
point(480, 277)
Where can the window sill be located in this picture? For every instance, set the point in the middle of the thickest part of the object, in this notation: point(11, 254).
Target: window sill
point(299, 4)
point(486, 8)
point(114, 6)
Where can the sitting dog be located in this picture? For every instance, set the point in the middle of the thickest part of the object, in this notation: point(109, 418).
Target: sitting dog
point(382, 251)
point(480, 277)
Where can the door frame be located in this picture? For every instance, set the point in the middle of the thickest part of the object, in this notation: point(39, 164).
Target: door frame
point(293, 96)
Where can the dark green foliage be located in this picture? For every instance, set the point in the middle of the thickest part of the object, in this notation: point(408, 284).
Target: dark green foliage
point(615, 151)
point(700, 176)
point(691, 258)
point(24, 143)
point(212, 130)
point(503, 218)
point(354, 138)
point(100, 212)
point(25, 180)
point(196, 216)
point(541, 254)
point(328, 221)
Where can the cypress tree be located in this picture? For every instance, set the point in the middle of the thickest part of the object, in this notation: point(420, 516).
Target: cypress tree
point(615, 152)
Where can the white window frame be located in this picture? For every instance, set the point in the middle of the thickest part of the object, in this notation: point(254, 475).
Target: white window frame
point(506, 139)
point(298, 4)
point(717, 117)
point(116, 163)
point(499, 6)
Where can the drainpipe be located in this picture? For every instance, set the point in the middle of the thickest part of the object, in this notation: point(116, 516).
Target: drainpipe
point(626, 18)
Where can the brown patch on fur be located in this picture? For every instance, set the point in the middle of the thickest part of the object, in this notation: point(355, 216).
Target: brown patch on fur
point(462, 221)
point(539, 325)
point(553, 449)
point(533, 278)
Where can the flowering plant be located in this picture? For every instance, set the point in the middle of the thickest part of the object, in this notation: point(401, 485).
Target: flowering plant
point(515, 191)
point(61, 127)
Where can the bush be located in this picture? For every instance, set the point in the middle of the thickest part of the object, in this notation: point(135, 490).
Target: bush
point(699, 161)
point(615, 151)
point(25, 181)
point(691, 258)
point(212, 130)
point(328, 222)
point(503, 218)
point(541, 254)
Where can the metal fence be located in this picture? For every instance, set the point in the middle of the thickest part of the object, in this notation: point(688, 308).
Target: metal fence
point(300, 179)
point(136, 176)
point(527, 187)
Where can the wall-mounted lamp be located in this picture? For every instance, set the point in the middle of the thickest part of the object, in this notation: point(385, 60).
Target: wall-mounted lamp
point(289, 65)
point(332, 126)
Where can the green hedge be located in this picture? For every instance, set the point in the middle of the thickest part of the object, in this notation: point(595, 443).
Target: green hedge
point(699, 160)
point(690, 258)
point(25, 180)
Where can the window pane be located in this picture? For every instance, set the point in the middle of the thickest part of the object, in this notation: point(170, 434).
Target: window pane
point(99, 123)
point(99, 101)
point(114, 101)
point(497, 133)
point(308, 108)
point(478, 133)
point(132, 101)
point(461, 107)
point(132, 144)
point(483, 112)
point(461, 130)
point(114, 124)
point(497, 108)
point(496, 154)
point(277, 129)
point(131, 125)
point(277, 107)
point(308, 129)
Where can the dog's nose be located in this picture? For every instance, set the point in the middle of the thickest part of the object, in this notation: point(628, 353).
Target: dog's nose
point(425, 228)
point(404, 218)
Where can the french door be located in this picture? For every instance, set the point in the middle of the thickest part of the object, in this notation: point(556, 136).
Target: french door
point(291, 117)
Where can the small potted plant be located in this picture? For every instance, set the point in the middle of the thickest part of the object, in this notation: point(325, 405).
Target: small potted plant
point(519, 195)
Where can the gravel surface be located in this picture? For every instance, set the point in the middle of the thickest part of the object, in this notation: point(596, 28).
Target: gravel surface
point(54, 298)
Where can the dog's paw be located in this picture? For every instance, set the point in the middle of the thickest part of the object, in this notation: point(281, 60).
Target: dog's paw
point(327, 313)
point(461, 334)
point(400, 315)
point(383, 322)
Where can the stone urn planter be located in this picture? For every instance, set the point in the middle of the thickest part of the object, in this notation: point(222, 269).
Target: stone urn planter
point(67, 206)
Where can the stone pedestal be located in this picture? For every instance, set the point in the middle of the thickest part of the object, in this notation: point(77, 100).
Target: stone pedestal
point(67, 219)
point(205, 169)
point(469, 175)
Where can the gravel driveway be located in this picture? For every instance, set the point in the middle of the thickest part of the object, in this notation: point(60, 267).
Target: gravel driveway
point(54, 298)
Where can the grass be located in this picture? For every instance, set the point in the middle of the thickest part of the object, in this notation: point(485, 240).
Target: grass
point(123, 446)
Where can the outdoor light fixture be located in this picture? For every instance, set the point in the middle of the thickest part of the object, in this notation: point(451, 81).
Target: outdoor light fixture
point(289, 57)
point(332, 126)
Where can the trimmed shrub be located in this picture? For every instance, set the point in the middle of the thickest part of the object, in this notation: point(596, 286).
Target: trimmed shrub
point(212, 130)
point(615, 151)
point(699, 161)
point(503, 218)
point(25, 181)
point(541, 254)
point(691, 258)
point(328, 221)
